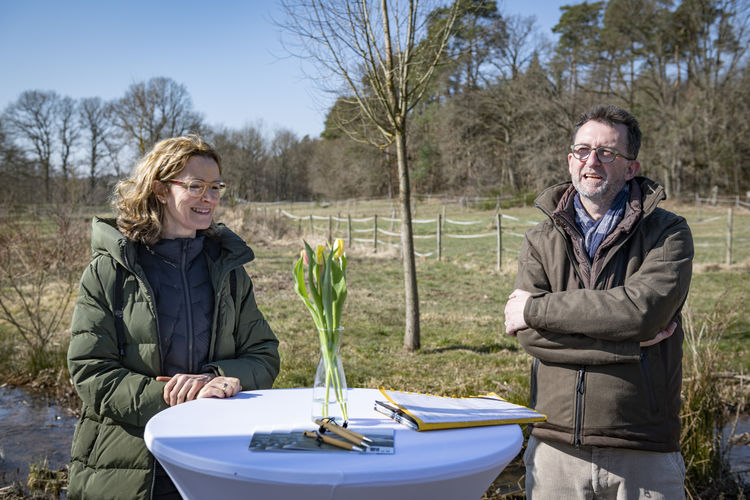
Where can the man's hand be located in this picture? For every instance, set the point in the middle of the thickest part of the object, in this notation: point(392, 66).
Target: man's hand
point(514, 311)
point(664, 334)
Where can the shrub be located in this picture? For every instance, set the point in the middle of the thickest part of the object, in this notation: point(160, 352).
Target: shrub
point(705, 407)
point(41, 259)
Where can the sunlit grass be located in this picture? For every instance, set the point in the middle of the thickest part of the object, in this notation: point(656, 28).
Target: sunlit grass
point(463, 346)
point(464, 349)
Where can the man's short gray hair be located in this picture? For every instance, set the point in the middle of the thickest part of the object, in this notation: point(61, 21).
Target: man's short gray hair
point(613, 115)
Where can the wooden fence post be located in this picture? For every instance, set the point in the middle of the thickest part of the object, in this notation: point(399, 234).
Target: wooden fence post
point(349, 229)
point(499, 241)
point(393, 222)
point(439, 238)
point(698, 205)
point(729, 237)
point(330, 229)
point(312, 228)
point(375, 234)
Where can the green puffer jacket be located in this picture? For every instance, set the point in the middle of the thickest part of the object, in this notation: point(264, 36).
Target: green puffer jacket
point(109, 457)
point(586, 320)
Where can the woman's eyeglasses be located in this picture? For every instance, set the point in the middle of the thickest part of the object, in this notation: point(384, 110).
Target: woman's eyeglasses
point(197, 188)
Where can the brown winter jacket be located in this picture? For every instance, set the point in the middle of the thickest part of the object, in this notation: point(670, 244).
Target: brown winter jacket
point(590, 376)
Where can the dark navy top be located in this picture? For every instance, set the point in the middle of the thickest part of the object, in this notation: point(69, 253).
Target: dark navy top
point(178, 273)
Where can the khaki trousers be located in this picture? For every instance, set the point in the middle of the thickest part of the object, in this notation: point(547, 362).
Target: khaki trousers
point(563, 472)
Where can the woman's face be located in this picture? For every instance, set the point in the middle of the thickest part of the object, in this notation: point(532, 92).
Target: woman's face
point(185, 213)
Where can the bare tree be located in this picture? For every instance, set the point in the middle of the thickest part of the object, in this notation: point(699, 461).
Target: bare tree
point(31, 119)
point(14, 168)
point(95, 121)
point(380, 54)
point(244, 155)
point(286, 170)
point(522, 45)
point(68, 130)
point(155, 110)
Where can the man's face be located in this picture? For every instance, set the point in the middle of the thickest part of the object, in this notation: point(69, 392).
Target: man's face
point(598, 183)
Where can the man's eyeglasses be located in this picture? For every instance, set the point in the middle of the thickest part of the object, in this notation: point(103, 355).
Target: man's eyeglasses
point(197, 188)
point(605, 155)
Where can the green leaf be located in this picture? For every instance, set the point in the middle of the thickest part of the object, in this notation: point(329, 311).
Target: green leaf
point(299, 287)
point(327, 290)
point(313, 288)
point(338, 278)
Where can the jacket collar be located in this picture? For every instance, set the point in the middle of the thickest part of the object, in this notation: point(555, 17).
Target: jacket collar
point(561, 195)
point(106, 239)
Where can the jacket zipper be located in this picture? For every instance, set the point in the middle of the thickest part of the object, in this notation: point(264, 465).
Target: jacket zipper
point(188, 308)
point(218, 311)
point(153, 476)
point(533, 383)
point(580, 389)
point(646, 369)
point(573, 262)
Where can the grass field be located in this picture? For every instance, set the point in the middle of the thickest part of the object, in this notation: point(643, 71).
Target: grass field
point(464, 348)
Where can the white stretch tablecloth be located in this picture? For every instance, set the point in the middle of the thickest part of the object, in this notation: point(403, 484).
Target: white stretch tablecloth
point(203, 445)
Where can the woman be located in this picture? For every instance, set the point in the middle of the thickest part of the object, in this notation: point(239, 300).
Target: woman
point(165, 314)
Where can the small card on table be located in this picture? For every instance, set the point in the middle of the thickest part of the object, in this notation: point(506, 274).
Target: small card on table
point(381, 441)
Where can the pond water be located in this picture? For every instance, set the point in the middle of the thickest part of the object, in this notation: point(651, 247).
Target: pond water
point(32, 427)
point(739, 455)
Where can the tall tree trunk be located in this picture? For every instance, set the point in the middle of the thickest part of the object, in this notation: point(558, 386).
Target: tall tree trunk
point(411, 333)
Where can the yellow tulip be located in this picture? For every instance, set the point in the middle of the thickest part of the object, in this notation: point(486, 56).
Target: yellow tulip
point(319, 254)
point(338, 248)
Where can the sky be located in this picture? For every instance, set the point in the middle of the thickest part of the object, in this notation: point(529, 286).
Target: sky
point(227, 53)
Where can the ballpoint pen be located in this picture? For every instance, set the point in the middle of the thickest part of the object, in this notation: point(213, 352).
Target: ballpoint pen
point(333, 441)
point(396, 414)
point(345, 433)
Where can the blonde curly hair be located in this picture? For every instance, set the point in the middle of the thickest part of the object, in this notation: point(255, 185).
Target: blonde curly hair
point(139, 214)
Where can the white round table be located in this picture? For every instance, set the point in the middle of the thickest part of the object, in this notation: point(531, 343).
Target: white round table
point(203, 445)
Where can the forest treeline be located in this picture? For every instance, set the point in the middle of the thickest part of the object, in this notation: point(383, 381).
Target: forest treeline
point(497, 117)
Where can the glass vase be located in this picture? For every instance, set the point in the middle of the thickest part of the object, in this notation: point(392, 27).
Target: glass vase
point(329, 389)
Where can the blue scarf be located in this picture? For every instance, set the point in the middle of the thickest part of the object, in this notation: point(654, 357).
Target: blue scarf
point(594, 231)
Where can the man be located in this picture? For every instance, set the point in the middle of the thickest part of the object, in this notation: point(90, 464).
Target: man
point(597, 304)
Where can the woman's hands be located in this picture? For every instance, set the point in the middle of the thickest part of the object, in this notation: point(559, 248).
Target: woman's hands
point(186, 387)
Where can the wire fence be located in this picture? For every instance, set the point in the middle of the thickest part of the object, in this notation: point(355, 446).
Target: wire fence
point(721, 236)
point(734, 240)
point(381, 231)
point(715, 200)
